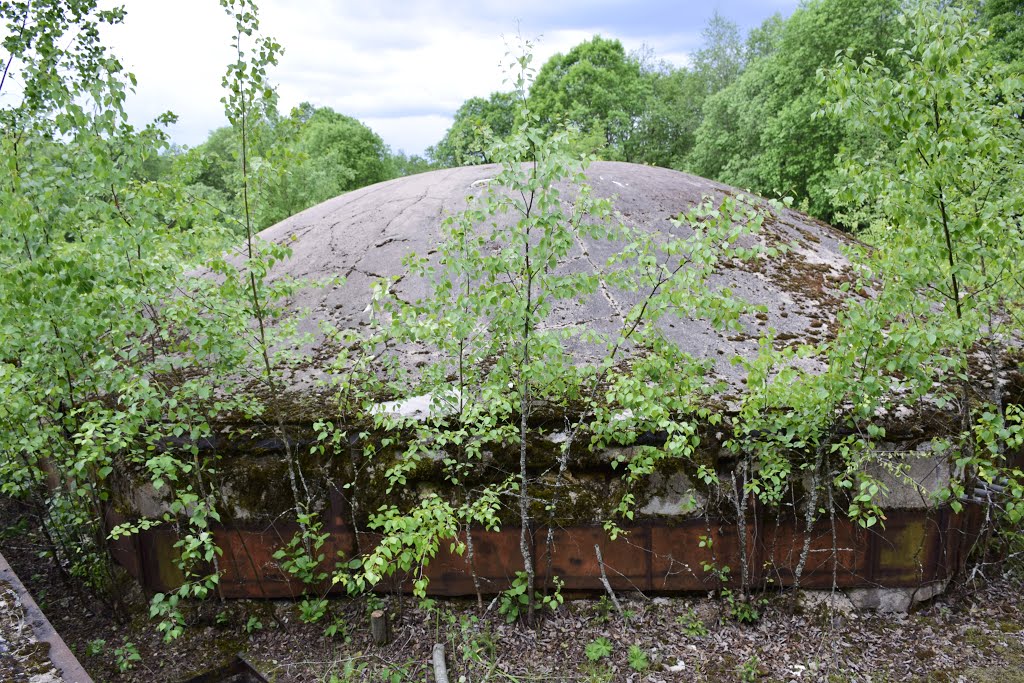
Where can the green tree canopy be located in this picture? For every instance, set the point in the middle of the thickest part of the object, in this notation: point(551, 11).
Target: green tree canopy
point(1005, 20)
point(332, 154)
point(403, 164)
point(216, 167)
point(465, 143)
point(675, 97)
point(665, 132)
point(758, 132)
point(595, 88)
point(317, 153)
point(721, 59)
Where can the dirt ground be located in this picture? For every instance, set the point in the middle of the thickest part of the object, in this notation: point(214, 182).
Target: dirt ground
point(970, 634)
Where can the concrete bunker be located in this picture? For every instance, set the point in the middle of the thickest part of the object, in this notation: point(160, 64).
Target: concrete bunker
point(683, 532)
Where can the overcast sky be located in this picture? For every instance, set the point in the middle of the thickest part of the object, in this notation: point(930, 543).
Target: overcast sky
point(403, 68)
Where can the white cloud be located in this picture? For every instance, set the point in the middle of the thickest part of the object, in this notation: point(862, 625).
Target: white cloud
point(179, 52)
point(407, 133)
point(402, 68)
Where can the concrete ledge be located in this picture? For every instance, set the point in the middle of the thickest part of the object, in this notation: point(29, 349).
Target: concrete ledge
point(60, 656)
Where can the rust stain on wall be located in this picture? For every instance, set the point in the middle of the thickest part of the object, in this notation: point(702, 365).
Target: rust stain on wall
point(916, 547)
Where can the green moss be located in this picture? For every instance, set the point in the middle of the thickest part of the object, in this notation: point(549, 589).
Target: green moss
point(993, 674)
point(35, 659)
point(977, 638)
point(256, 487)
point(1010, 626)
point(576, 500)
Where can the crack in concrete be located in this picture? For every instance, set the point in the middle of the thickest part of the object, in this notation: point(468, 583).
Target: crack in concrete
point(390, 240)
point(365, 273)
point(414, 202)
point(605, 289)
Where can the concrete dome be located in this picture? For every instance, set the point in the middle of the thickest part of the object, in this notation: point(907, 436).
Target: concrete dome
point(364, 235)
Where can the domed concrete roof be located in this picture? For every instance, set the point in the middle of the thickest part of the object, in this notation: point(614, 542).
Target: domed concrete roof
point(364, 235)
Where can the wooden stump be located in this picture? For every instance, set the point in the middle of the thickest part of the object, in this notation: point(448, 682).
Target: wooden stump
point(380, 627)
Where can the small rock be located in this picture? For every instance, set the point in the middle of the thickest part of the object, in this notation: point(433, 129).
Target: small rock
point(677, 667)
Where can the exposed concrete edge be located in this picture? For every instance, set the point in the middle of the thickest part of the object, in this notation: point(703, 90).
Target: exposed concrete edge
point(894, 600)
point(60, 655)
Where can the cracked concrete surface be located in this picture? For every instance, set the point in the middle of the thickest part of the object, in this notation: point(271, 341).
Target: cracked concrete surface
point(365, 235)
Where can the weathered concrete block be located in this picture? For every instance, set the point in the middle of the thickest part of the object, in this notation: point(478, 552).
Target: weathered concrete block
point(673, 496)
point(833, 602)
point(912, 479)
point(893, 600)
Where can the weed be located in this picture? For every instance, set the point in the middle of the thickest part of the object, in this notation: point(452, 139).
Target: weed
point(637, 658)
point(253, 624)
point(395, 674)
point(338, 626)
point(126, 656)
point(597, 650)
point(516, 600)
point(595, 673)
point(750, 670)
point(351, 670)
point(692, 624)
point(743, 611)
point(473, 643)
point(603, 607)
point(312, 610)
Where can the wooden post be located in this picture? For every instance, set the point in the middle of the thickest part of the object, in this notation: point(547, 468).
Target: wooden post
point(380, 627)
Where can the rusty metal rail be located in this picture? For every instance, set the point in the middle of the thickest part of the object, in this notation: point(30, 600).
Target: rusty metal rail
point(915, 548)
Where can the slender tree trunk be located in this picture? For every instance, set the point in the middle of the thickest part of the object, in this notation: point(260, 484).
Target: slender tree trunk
point(525, 535)
point(258, 311)
point(739, 488)
point(809, 512)
point(524, 506)
point(471, 558)
point(563, 464)
point(604, 580)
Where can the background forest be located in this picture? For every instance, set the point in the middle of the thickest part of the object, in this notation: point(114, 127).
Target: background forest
point(741, 113)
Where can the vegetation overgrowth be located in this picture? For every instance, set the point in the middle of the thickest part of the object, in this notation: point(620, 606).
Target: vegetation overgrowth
point(118, 358)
